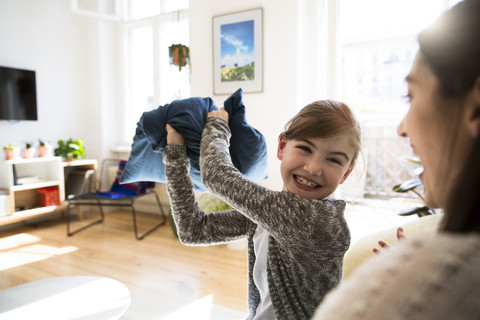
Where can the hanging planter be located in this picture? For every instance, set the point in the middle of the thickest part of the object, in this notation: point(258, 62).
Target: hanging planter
point(179, 55)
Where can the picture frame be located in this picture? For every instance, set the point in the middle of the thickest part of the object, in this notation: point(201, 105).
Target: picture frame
point(238, 52)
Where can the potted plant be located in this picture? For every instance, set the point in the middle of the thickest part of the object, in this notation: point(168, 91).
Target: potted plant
point(70, 149)
point(28, 151)
point(12, 151)
point(44, 148)
point(210, 203)
point(207, 203)
point(410, 186)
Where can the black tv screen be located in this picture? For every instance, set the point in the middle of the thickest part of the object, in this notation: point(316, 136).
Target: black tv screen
point(18, 94)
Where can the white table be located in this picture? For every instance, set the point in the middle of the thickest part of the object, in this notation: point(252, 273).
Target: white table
point(62, 298)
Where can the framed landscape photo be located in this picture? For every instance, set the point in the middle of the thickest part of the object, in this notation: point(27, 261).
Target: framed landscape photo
point(237, 52)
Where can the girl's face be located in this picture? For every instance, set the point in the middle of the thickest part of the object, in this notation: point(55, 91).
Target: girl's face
point(313, 168)
point(429, 125)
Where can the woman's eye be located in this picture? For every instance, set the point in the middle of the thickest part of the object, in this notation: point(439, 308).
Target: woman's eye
point(408, 96)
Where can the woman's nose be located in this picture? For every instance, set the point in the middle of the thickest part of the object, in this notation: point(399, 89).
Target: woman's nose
point(401, 128)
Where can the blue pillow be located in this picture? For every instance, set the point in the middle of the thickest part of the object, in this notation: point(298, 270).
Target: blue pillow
point(248, 148)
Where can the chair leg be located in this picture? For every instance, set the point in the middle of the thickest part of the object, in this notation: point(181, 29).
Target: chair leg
point(67, 217)
point(155, 227)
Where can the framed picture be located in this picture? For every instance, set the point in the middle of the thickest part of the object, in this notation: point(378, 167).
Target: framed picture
point(237, 52)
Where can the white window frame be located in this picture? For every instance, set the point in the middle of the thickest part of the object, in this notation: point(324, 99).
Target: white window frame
point(329, 10)
point(154, 23)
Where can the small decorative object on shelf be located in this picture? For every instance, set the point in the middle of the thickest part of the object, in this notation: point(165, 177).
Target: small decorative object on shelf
point(28, 151)
point(44, 148)
point(12, 151)
point(48, 197)
point(70, 149)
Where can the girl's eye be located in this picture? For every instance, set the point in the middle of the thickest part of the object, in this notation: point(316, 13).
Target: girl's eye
point(336, 161)
point(304, 148)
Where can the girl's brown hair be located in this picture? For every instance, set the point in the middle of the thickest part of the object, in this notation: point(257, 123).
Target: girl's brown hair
point(325, 119)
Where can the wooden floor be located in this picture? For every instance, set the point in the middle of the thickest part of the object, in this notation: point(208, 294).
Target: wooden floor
point(158, 268)
point(159, 262)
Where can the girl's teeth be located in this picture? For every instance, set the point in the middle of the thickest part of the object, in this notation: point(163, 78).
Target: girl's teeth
point(306, 183)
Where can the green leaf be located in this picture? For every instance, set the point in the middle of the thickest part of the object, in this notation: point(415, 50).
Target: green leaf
point(73, 146)
point(413, 159)
point(11, 145)
point(407, 185)
point(420, 211)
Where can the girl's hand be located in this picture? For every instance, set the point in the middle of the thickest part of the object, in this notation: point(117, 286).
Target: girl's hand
point(400, 236)
point(221, 113)
point(173, 137)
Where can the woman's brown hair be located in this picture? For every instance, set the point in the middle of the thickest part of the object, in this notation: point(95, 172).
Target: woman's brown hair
point(451, 49)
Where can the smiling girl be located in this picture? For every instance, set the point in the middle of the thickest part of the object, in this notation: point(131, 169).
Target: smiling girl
point(296, 237)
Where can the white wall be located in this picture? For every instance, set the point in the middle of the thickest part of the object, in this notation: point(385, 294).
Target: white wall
point(75, 97)
point(290, 80)
point(78, 64)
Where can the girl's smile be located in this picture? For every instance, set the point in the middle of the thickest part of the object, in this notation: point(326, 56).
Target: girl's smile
point(313, 168)
point(305, 183)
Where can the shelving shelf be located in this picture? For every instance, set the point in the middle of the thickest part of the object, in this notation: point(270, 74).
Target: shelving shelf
point(36, 185)
point(31, 213)
point(48, 172)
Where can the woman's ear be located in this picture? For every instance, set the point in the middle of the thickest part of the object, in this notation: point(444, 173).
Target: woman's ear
point(473, 110)
point(347, 173)
point(282, 142)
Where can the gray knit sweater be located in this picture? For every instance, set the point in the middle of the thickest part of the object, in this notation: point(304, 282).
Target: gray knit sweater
point(308, 238)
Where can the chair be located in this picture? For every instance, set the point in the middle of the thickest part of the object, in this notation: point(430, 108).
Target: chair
point(111, 193)
point(79, 181)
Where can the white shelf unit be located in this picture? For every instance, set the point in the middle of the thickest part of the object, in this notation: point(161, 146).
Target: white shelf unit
point(23, 198)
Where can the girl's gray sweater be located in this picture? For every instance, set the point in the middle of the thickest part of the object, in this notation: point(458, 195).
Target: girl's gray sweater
point(308, 238)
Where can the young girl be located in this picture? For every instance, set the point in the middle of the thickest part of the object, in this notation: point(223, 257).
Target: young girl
point(296, 237)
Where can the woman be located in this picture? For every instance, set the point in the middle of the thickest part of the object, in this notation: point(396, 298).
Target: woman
point(436, 277)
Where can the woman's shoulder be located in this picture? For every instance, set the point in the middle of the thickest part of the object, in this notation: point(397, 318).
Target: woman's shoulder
point(425, 278)
point(442, 249)
point(439, 258)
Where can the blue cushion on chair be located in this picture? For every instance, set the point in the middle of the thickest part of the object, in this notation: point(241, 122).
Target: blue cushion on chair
point(248, 148)
point(128, 189)
point(118, 190)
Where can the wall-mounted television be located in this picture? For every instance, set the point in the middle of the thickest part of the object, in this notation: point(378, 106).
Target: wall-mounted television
point(18, 94)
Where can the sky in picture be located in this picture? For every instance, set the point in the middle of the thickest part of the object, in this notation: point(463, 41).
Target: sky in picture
point(236, 44)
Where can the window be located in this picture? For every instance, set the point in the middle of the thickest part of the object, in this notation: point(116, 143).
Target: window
point(150, 79)
point(102, 9)
point(140, 79)
point(376, 48)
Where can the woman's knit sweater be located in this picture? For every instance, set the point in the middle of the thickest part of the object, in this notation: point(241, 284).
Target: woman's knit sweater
point(308, 238)
point(434, 278)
